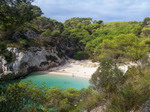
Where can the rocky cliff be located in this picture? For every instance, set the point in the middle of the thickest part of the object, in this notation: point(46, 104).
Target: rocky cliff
point(32, 59)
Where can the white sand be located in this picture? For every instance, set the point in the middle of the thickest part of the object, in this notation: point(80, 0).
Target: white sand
point(84, 68)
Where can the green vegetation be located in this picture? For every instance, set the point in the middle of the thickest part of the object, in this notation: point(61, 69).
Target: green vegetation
point(27, 97)
point(78, 38)
point(3, 51)
point(80, 55)
point(123, 46)
point(123, 92)
point(15, 13)
point(108, 78)
point(22, 26)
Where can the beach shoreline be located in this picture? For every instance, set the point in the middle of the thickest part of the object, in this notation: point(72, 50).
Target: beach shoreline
point(74, 68)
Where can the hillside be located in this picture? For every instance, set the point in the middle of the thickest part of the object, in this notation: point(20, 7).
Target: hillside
point(30, 42)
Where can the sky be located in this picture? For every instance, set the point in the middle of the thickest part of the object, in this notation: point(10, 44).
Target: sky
point(106, 10)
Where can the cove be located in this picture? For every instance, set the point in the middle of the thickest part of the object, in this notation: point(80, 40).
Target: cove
point(62, 81)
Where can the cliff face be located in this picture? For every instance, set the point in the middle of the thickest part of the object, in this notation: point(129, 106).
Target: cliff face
point(24, 62)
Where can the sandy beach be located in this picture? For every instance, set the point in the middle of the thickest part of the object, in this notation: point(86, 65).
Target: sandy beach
point(84, 68)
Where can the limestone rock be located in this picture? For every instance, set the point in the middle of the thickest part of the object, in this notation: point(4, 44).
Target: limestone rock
point(147, 107)
point(24, 62)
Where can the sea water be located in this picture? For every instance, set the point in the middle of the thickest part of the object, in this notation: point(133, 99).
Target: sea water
point(62, 81)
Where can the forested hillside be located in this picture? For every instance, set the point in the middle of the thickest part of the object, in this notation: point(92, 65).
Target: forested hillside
point(23, 27)
point(81, 38)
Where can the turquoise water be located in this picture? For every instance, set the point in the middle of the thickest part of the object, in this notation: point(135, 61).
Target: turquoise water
point(61, 81)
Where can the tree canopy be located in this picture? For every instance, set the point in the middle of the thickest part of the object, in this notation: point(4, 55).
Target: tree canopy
point(14, 13)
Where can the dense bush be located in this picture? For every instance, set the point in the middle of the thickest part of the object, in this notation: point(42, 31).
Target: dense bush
point(124, 92)
point(27, 97)
point(8, 56)
point(145, 32)
point(4, 52)
point(134, 94)
point(80, 55)
point(108, 78)
point(123, 46)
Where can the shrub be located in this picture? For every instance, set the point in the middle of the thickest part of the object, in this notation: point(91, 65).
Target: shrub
point(145, 32)
point(47, 33)
point(108, 78)
point(80, 55)
point(2, 47)
point(55, 33)
point(8, 56)
point(123, 46)
point(134, 93)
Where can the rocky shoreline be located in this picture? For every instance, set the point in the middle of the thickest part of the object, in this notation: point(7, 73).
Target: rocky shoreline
point(30, 60)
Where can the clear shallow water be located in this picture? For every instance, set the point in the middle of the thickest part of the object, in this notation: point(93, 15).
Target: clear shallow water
point(61, 81)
